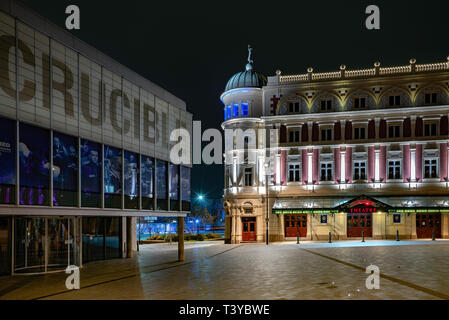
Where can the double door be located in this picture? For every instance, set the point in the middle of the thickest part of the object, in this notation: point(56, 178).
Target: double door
point(427, 225)
point(249, 229)
point(359, 224)
point(295, 224)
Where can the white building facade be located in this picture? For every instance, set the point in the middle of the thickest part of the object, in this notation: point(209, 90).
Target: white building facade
point(345, 154)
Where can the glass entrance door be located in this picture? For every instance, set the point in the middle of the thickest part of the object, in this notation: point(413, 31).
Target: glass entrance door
point(5, 245)
point(44, 244)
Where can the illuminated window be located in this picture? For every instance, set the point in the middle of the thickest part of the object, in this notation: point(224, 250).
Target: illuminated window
point(359, 170)
point(326, 171)
point(229, 109)
point(235, 110)
point(244, 109)
point(294, 172)
point(225, 114)
point(394, 169)
point(430, 168)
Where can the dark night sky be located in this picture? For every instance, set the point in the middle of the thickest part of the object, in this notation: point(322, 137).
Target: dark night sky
point(193, 48)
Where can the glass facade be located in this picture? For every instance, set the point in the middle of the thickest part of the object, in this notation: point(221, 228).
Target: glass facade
point(174, 187)
point(91, 160)
point(5, 245)
point(101, 238)
point(65, 170)
point(8, 161)
point(185, 188)
point(147, 183)
point(161, 185)
point(34, 165)
point(112, 177)
point(131, 180)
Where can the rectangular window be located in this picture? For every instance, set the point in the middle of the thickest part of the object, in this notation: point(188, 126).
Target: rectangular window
point(112, 177)
point(228, 114)
point(185, 188)
point(394, 101)
point(431, 98)
point(294, 172)
point(244, 109)
point(161, 185)
point(147, 182)
point(394, 169)
point(294, 136)
point(7, 161)
point(248, 177)
point(359, 170)
point(430, 130)
point(326, 171)
point(430, 168)
point(65, 170)
point(394, 131)
point(326, 135)
point(359, 133)
point(131, 180)
point(359, 103)
point(326, 105)
point(235, 110)
point(34, 165)
point(225, 117)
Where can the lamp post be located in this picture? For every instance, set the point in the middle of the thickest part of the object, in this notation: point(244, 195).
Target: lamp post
point(267, 174)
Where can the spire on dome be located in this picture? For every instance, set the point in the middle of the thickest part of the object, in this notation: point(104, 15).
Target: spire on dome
point(249, 66)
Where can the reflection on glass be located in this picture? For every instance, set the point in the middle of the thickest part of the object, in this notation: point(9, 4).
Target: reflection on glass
point(131, 180)
point(65, 170)
point(161, 184)
point(147, 183)
point(185, 188)
point(112, 177)
point(7, 161)
point(174, 187)
point(34, 165)
point(90, 174)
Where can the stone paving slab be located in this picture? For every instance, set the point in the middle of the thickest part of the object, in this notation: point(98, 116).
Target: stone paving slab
point(279, 271)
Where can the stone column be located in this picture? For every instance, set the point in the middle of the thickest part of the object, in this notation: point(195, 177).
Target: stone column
point(180, 238)
point(129, 237)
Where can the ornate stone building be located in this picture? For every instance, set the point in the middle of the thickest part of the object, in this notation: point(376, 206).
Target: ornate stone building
point(349, 153)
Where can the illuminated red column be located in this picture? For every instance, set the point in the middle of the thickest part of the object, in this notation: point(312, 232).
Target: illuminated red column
point(418, 163)
point(371, 164)
point(406, 162)
point(284, 167)
point(316, 165)
point(443, 161)
point(348, 164)
point(337, 168)
point(383, 164)
point(305, 167)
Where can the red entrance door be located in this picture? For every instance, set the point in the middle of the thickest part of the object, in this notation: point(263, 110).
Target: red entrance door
point(295, 223)
point(359, 223)
point(249, 229)
point(426, 224)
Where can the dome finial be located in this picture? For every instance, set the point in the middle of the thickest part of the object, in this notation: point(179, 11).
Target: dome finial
point(249, 66)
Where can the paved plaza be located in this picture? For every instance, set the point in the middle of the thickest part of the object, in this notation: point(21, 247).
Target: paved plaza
point(212, 270)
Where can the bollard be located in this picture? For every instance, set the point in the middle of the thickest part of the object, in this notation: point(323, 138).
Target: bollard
point(297, 238)
point(397, 235)
point(433, 234)
point(330, 237)
point(363, 236)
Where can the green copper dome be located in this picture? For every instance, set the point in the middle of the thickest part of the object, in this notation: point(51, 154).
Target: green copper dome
point(248, 78)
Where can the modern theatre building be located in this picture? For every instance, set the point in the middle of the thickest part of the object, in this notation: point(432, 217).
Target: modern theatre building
point(84, 149)
point(349, 153)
